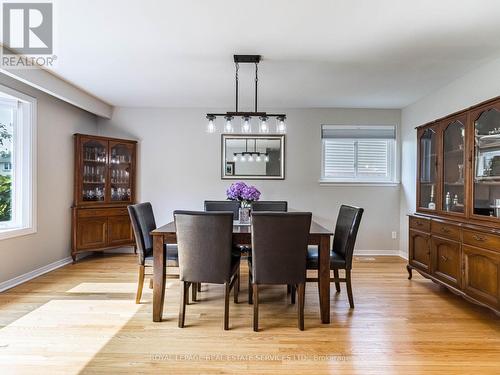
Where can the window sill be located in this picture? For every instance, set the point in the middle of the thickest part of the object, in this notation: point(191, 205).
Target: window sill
point(324, 182)
point(15, 232)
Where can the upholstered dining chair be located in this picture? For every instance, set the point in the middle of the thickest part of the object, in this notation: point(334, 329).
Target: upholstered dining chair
point(274, 206)
point(233, 206)
point(143, 222)
point(205, 243)
point(344, 239)
point(279, 251)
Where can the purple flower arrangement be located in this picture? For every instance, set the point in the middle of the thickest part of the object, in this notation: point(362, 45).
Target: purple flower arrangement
point(239, 191)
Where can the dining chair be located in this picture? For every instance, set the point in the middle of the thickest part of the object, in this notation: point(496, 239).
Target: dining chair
point(274, 206)
point(205, 244)
point(279, 251)
point(143, 222)
point(233, 206)
point(346, 230)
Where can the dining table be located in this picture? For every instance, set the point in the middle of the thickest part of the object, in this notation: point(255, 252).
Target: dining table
point(242, 235)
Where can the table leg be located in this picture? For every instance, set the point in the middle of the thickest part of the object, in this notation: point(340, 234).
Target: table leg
point(159, 277)
point(324, 278)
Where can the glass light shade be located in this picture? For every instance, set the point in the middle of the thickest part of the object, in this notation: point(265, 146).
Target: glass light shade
point(280, 125)
point(211, 126)
point(264, 127)
point(235, 158)
point(258, 158)
point(266, 158)
point(243, 158)
point(228, 127)
point(250, 157)
point(246, 127)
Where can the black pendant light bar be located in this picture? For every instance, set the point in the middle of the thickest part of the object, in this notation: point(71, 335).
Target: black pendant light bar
point(246, 116)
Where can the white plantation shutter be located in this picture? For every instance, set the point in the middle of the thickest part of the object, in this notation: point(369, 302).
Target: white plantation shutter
point(358, 153)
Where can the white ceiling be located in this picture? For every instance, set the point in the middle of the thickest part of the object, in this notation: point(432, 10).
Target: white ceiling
point(316, 53)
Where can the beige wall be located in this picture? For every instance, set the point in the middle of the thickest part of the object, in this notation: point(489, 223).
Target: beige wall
point(179, 166)
point(56, 122)
point(473, 88)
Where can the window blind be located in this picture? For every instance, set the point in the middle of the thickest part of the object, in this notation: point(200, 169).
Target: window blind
point(358, 153)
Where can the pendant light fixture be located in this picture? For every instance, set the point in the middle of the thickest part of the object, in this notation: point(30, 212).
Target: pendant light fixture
point(246, 117)
point(251, 156)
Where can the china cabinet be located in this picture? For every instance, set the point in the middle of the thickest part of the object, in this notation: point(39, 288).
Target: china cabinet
point(454, 237)
point(104, 186)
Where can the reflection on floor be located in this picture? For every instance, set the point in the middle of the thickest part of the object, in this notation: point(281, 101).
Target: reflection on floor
point(82, 319)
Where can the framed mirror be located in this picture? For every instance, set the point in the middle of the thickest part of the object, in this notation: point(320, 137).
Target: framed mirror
point(253, 157)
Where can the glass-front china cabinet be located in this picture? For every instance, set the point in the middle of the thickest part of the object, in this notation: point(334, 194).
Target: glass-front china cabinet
point(454, 237)
point(104, 186)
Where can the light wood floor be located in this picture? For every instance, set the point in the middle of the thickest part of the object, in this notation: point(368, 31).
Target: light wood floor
point(82, 319)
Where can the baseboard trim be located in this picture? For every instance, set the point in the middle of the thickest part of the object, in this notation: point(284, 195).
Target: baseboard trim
point(374, 253)
point(8, 284)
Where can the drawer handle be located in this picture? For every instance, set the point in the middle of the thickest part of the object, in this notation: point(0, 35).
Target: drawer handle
point(445, 259)
point(445, 230)
point(479, 238)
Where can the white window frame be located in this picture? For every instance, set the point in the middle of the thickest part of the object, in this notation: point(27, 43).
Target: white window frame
point(393, 164)
point(24, 207)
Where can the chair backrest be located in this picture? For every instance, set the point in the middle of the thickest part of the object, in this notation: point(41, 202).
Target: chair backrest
point(279, 247)
point(204, 242)
point(233, 206)
point(143, 222)
point(274, 206)
point(346, 230)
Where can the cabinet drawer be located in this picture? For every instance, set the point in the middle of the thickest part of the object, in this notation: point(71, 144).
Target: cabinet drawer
point(420, 223)
point(445, 230)
point(483, 240)
point(96, 212)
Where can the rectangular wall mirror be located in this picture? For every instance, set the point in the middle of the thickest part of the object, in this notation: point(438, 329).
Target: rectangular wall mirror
point(258, 157)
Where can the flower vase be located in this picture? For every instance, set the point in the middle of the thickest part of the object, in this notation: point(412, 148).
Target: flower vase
point(244, 215)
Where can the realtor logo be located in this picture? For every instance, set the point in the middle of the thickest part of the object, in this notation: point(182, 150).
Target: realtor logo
point(27, 28)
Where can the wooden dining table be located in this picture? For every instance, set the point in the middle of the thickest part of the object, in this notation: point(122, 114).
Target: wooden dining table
point(242, 235)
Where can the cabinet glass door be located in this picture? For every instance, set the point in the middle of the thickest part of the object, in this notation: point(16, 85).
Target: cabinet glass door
point(120, 172)
point(94, 159)
point(453, 197)
point(487, 163)
point(427, 172)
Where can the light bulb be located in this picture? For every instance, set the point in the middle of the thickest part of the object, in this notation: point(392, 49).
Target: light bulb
point(235, 158)
point(246, 128)
point(264, 128)
point(228, 128)
point(250, 157)
point(267, 158)
point(258, 158)
point(242, 158)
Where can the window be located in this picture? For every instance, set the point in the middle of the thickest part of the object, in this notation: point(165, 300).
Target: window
point(17, 174)
point(358, 154)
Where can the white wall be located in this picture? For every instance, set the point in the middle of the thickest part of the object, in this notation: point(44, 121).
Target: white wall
point(56, 122)
point(179, 166)
point(473, 88)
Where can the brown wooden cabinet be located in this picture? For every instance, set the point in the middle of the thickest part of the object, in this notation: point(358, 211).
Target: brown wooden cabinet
point(104, 186)
point(458, 203)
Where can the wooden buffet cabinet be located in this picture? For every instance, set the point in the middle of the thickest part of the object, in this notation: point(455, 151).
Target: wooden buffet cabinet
point(104, 186)
point(454, 237)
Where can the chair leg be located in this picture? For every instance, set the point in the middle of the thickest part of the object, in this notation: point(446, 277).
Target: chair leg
point(194, 289)
point(140, 284)
point(199, 287)
point(250, 291)
point(151, 283)
point(236, 287)
point(226, 305)
point(302, 294)
point(349, 288)
point(293, 293)
point(183, 302)
point(255, 288)
point(337, 283)
point(288, 289)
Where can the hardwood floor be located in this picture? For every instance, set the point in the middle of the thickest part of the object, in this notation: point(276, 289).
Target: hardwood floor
point(83, 318)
